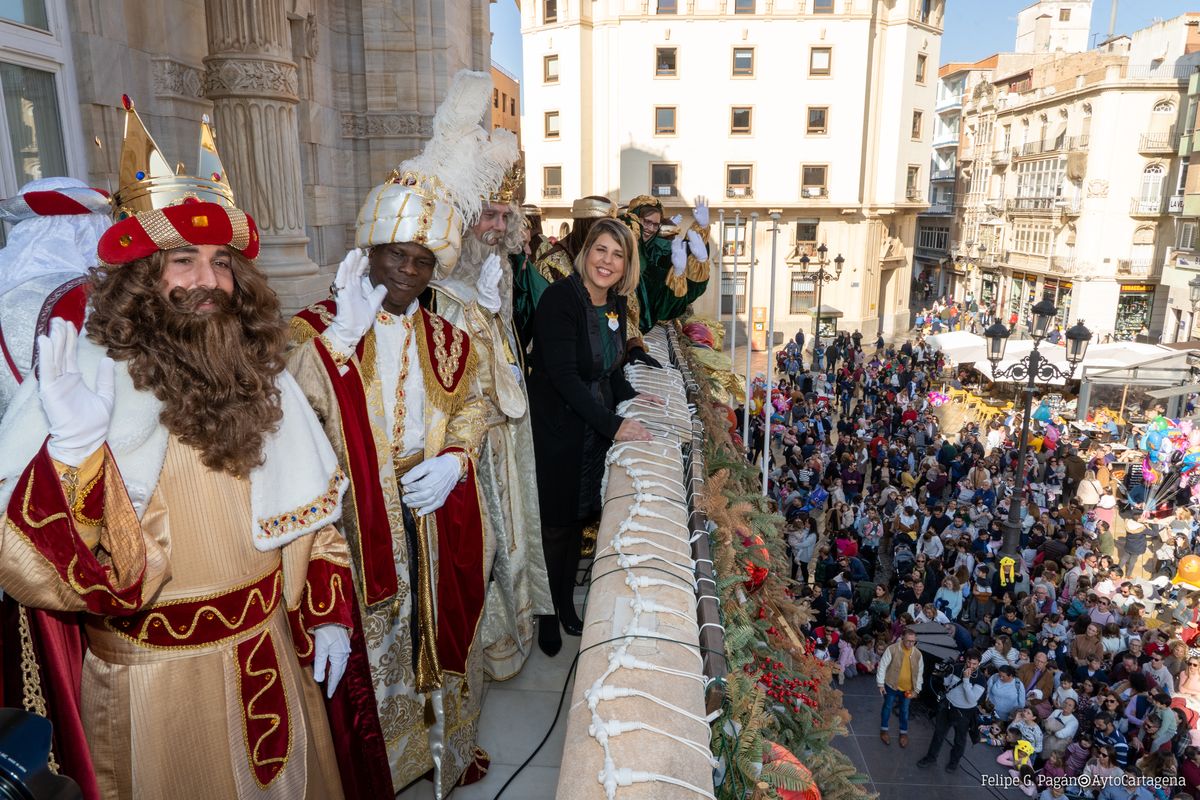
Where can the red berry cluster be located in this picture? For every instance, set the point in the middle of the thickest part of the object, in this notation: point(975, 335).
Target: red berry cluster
point(780, 687)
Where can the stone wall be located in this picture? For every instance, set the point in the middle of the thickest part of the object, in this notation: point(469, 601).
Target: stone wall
point(314, 102)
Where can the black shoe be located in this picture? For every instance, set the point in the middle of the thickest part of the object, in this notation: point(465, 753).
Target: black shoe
point(952, 766)
point(572, 625)
point(549, 639)
point(927, 761)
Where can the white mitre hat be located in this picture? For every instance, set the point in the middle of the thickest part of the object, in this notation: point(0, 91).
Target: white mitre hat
point(430, 198)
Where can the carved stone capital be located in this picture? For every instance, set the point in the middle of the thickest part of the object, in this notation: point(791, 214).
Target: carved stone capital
point(174, 79)
point(374, 126)
point(233, 76)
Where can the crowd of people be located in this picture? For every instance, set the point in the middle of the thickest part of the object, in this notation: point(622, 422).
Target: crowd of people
point(1075, 653)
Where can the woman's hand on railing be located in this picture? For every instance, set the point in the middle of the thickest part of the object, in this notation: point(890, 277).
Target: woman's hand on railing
point(632, 431)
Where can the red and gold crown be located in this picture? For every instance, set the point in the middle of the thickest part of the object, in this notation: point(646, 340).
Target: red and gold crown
point(158, 208)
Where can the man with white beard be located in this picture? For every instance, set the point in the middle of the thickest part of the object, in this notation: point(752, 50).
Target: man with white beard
point(477, 297)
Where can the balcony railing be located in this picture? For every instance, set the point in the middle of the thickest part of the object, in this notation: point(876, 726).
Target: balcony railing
point(739, 191)
point(1000, 157)
point(943, 175)
point(1069, 205)
point(1031, 203)
point(1135, 268)
point(1140, 207)
point(552, 191)
point(941, 206)
point(1160, 72)
point(914, 195)
point(1175, 204)
point(948, 102)
point(1064, 143)
point(1158, 142)
point(1063, 264)
point(814, 192)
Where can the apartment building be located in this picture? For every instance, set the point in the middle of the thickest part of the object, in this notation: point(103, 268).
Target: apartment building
point(506, 101)
point(936, 270)
point(1073, 186)
point(821, 109)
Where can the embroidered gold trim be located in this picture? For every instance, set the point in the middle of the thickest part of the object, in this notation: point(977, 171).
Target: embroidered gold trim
point(400, 411)
point(241, 228)
point(367, 366)
point(248, 712)
point(436, 392)
point(268, 606)
point(307, 514)
point(80, 497)
point(31, 677)
point(25, 502)
point(429, 668)
point(340, 359)
point(160, 230)
point(336, 591)
point(302, 332)
point(81, 590)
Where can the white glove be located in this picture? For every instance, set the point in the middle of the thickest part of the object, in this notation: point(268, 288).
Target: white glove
point(517, 372)
point(428, 484)
point(79, 416)
point(677, 220)
point(357, 301)
point(696, 244)
point(700, 212)
point(488, 285)
point(331, 651)
point(678, 256)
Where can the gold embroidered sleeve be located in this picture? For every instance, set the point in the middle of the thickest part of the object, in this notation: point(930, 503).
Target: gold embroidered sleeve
point(468, 423)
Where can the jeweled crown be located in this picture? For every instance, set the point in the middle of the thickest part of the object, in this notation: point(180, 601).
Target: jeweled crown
point(510, 187)
point(146, 180)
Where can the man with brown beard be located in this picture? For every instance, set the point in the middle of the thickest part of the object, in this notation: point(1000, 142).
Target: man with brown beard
point(164, 478)
point(395, 386)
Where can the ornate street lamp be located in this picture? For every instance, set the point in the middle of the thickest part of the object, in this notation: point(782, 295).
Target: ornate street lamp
point(1029, 371)
point(1194, 292)
point(821, 276)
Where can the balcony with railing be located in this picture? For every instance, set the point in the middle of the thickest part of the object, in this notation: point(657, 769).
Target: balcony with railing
point(949, 102)
point(1059, 145)
point(945, 138)
point(552, 191)
point(1000, 157)
point(1136, 268)
point(1062, 264)
point(943, 174)
point(739, 192)
point(1028, 204)
point(1158, 142)
point(1162, 72)
point(1069, 205)
point(941, 205)
point(913, 194)
point(1141, 207)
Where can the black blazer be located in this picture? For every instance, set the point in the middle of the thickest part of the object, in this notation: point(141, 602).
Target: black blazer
point(573, 400)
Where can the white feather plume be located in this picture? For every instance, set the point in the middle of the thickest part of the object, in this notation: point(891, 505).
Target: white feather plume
point(460, 159)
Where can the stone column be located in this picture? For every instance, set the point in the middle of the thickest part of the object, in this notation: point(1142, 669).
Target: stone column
point(252, 82)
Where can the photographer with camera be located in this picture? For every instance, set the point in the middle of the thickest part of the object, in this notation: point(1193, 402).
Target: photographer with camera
point(964, 688)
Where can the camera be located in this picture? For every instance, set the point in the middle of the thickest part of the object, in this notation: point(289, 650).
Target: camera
point(24, 752)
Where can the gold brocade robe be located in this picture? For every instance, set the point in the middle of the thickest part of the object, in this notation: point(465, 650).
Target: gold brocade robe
point(413, 727)
point(520, 588)
point(168, 722)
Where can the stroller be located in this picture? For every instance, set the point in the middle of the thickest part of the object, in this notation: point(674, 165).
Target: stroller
point(903, 558)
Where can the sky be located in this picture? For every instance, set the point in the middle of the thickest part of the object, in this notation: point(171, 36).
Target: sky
point(974, 28)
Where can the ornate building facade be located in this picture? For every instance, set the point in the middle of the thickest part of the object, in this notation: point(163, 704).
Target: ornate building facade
point(314, 101)
point(820, 109)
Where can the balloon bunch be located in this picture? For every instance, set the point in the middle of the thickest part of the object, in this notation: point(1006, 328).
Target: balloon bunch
point(937, 399)
point(1172, 458)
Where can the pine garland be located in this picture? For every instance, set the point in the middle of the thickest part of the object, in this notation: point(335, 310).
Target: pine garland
point(763, 641)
